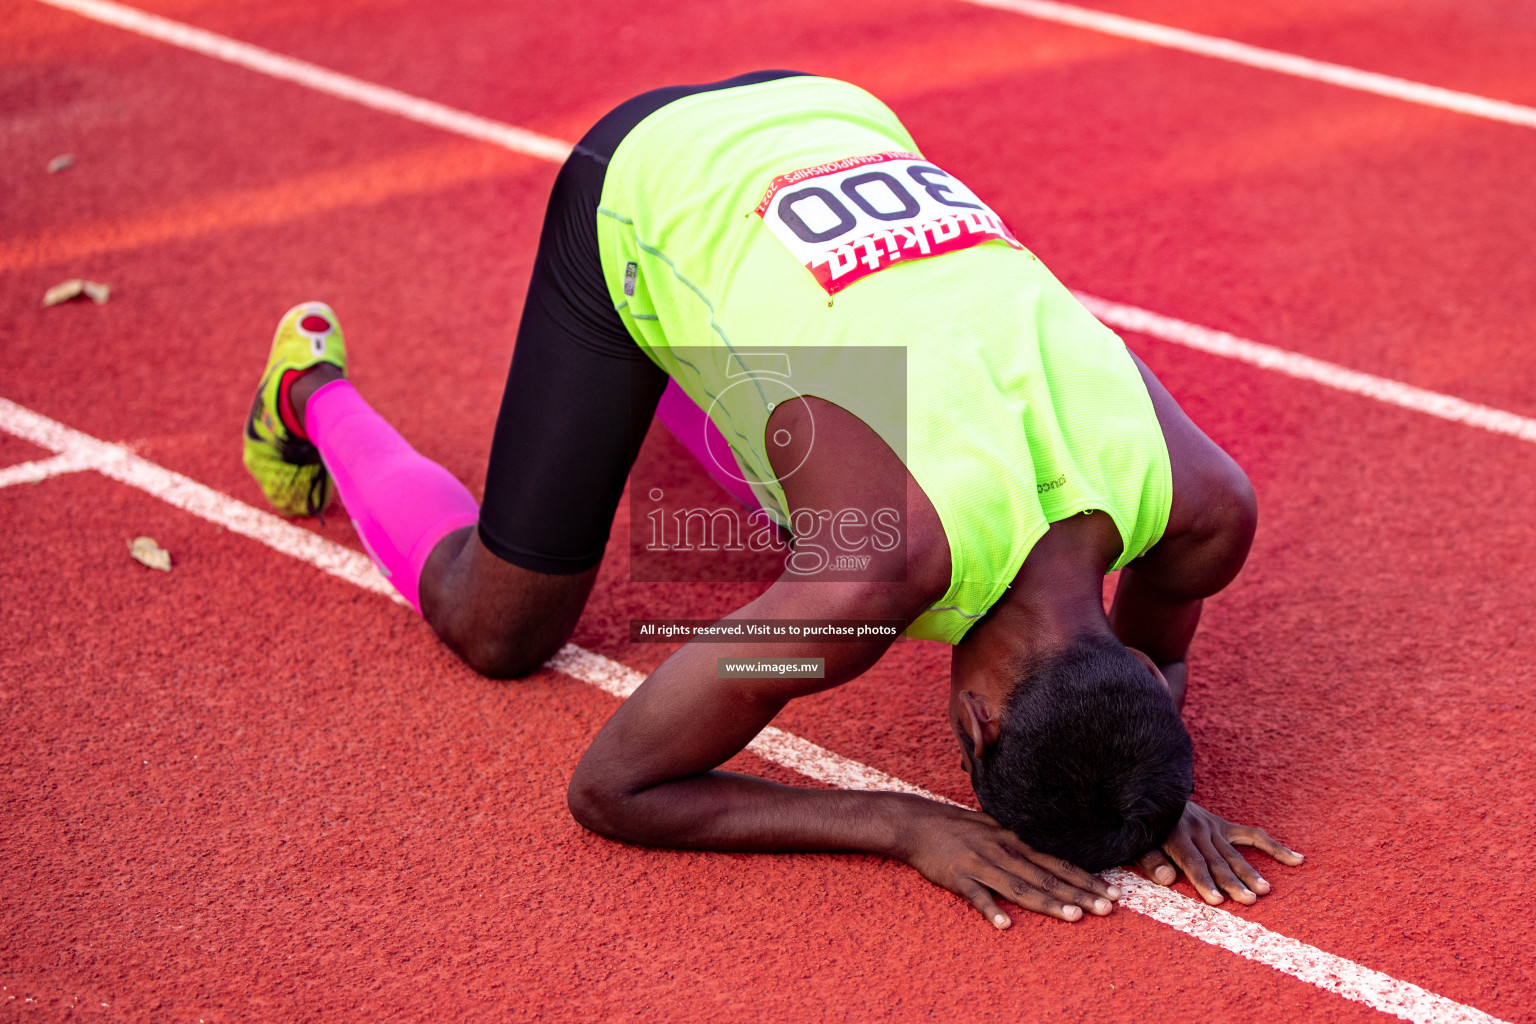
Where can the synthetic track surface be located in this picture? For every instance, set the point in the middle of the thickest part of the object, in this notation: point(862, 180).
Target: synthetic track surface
point(1348, 694)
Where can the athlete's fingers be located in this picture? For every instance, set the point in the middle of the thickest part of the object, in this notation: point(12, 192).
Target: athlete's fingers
point(1221, 871)
point(1156, 866)
point(1247, 835)
point(1030, 898)
point(1240, 866)
point(1041, 879)
point(1182, 850)
point(980, 897)
point(1039, 891)
point(1070, 873)
point(1062, 891)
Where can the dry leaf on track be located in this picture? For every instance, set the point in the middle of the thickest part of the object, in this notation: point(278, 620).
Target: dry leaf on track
point(73, 289)
point(146, 552)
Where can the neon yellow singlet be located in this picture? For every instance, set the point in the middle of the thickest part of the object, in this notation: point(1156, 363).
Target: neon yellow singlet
point(1020, 410)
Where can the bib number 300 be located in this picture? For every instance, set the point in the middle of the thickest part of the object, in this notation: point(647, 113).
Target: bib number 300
point(848, 219)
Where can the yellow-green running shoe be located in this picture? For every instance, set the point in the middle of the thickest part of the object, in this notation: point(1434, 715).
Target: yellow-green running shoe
point(285, 464)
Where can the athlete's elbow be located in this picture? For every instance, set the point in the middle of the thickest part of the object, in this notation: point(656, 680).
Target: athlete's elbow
point(1224, 532)
point(1239, 519)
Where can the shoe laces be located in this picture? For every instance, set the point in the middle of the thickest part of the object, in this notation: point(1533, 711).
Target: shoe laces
point(314, 501)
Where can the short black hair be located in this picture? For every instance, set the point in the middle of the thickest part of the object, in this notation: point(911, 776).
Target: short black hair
point(1092, 763)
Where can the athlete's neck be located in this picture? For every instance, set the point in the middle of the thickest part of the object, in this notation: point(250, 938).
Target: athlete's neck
point(1056, 597)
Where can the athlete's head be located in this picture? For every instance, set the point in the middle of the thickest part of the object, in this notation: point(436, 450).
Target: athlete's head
point(1086, 758)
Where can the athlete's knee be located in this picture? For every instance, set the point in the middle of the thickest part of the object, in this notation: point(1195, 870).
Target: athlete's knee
point(499, 639)
point(502, 639)
point(502, 620)
point(501, 655)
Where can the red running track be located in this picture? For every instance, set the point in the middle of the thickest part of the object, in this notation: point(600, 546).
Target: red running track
point(249, 791)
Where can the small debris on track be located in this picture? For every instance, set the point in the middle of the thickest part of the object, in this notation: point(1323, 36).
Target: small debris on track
point(146, 552)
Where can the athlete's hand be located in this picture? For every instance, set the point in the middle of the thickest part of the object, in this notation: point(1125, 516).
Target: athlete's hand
point(975, 858)
point(1204, 846)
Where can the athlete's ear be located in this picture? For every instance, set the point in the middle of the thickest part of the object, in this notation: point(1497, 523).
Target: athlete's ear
point(1157, 673)
point(979, 722)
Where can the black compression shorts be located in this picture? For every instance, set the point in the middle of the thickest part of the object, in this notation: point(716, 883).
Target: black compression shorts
point(580, 394)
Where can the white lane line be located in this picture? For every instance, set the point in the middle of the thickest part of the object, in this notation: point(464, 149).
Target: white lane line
point(42, 469)
point(1325, 970)
point(120, 464)
point(1294, 364)
point(332, 83)
point(1208, 924)
point(1114, 313)
point(523, 141)
point(1269, 60)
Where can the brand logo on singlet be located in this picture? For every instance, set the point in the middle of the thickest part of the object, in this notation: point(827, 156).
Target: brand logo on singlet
point(850, 218)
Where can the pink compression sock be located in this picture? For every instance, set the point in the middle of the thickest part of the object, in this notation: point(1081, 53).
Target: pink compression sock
point(698, 433)
point(401, 503)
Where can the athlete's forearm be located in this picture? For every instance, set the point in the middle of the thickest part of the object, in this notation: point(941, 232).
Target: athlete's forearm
point(649, 776)
point(726, 811)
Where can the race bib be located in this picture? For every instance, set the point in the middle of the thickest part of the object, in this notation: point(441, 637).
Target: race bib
point(848, 219)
